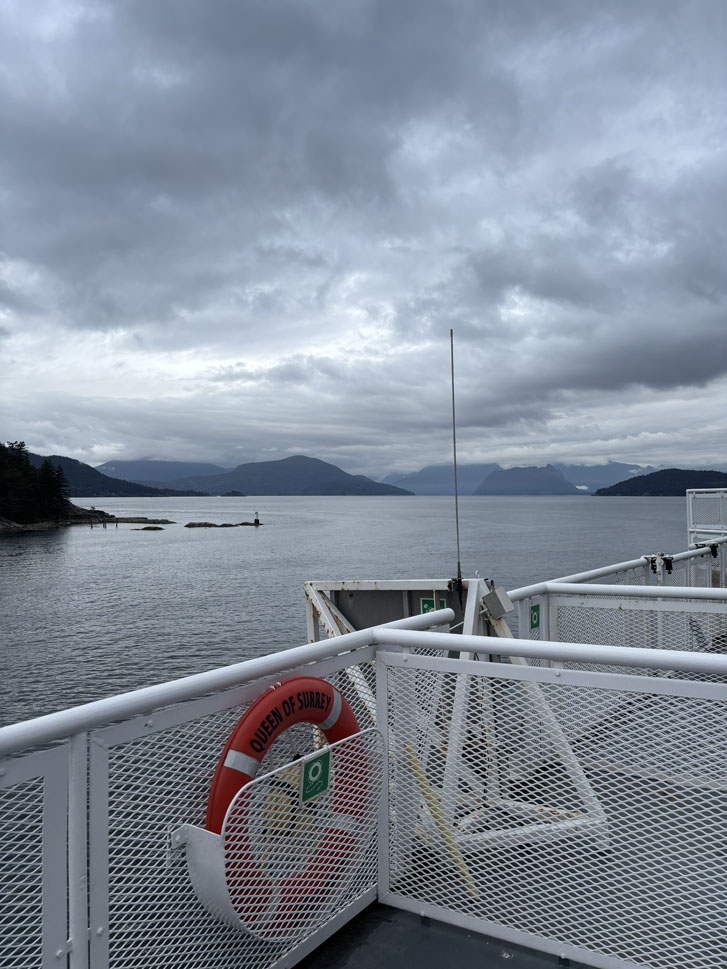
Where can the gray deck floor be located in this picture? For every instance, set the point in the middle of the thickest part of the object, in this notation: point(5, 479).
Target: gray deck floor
point(387, 938)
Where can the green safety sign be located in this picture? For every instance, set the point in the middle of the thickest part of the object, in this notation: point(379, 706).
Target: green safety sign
point(315, 776)
point(427, 605)
point(535, 616)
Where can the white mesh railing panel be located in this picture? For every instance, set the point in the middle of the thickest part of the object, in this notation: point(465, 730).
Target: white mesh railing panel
point(158, 780)
point(706, 510)
point(635, 576)
point(679, 575)
point(21, 851)
point(291, 867)
point(33, 874)
point(701, 570)
point(613, 843)
point(689, 625)
point(156, 783)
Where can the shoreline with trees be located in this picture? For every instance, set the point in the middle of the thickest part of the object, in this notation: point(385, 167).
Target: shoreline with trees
point(36, 499)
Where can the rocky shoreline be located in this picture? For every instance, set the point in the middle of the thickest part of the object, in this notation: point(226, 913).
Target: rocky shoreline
point(95, 516)
point(84, 517)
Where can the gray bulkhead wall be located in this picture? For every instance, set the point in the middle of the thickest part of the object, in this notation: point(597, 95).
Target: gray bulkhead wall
point(364, 607)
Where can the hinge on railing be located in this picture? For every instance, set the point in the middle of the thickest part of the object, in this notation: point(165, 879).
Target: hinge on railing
point(64, 949)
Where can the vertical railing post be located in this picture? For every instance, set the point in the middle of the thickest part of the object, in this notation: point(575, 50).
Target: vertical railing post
point(384, 833)
point(78, 852)
point(523, 618)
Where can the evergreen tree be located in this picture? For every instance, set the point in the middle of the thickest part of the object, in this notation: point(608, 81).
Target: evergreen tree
point(17, 483)
point(45, 490)
point(28, 494)
point(60, 493)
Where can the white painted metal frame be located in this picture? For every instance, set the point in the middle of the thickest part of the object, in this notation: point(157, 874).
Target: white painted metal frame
point(104, 740)
point(698, 529)
point(641, 565)
point(50, 766)
point(657, 659)
point(535, 676)
point(312, 941)
point(75, 813)
point(618, 599)
point(68, 854)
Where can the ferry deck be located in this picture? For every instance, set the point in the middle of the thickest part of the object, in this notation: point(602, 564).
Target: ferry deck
point(536, 779)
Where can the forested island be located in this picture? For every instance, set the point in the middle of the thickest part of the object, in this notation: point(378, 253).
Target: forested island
point(33, 497)
point(672, 482)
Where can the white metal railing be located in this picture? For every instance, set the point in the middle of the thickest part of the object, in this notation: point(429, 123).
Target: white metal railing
point(680, 618)
point(701, 567)
point(603, 846)
point(96, 810)
point(125, 774)
point(706, 514)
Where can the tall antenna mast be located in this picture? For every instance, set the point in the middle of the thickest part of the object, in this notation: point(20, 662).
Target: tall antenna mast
point(454, 453)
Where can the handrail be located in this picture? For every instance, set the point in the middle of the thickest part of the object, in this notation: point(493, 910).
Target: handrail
point(65, 723)
point(658, 659)
point(635, 591)
point(699, 549)
point(538, 588)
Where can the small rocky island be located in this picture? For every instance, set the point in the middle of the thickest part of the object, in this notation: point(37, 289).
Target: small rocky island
point(253, 524)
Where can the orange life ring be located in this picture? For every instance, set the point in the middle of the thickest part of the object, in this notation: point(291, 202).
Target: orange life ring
point(277, 904)
point(304, 699)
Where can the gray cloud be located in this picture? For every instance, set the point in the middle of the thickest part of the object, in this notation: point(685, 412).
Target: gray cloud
point(243, 229)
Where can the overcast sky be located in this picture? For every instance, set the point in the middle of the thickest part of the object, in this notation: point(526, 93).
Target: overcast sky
point(234, 230)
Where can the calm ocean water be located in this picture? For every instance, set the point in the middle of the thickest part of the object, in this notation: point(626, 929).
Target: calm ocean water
point(89, 612)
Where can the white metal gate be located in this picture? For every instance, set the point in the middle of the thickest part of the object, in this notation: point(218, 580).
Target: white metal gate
point(608, 847)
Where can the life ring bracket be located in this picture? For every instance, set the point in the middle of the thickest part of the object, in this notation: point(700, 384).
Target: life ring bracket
point(280, 869)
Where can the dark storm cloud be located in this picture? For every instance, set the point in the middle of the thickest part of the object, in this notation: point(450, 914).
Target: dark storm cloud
point(277, 210)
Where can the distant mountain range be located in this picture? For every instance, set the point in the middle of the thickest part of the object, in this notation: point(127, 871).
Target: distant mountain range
point(156, 472)
point(588, 478)
point(670, 481)
point(438, 479)
point(527, 481)
point(87, 482)
point(297, 475)
point(302, 475)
